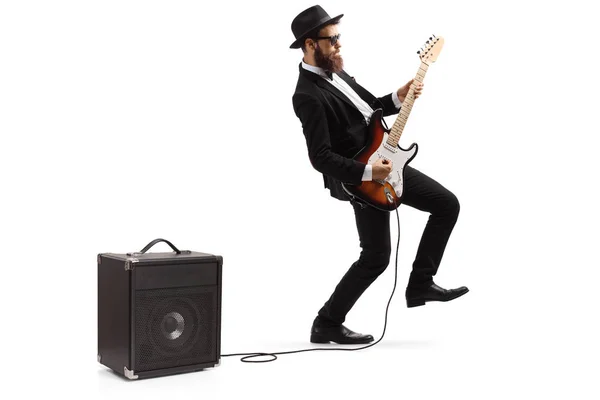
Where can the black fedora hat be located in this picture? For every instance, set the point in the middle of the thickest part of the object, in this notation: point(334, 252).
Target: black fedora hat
point(310, 20)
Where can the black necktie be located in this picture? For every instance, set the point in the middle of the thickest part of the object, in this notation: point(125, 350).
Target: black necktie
point(329, 74)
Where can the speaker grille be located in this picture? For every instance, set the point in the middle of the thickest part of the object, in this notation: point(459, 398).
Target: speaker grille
point(175, 327)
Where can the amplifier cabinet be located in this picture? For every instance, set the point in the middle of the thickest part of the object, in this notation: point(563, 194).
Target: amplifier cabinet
point(159, 313)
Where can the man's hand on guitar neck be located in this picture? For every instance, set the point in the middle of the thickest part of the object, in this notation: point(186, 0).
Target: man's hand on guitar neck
point(381, 169)
point(403, 91)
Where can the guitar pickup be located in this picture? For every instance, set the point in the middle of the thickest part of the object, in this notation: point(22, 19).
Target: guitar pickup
point(388, 147)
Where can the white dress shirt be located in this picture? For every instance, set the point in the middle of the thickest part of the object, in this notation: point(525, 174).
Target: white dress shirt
point(360, 104)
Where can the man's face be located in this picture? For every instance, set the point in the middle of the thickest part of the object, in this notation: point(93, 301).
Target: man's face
point(327, 55)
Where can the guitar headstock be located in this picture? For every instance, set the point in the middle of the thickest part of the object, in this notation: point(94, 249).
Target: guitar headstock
point(431, 49)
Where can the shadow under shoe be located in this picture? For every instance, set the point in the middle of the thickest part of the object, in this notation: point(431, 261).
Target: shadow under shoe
point(338, 334)
point(418, 297)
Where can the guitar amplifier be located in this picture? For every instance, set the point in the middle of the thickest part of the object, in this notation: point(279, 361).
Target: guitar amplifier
point(159, 313)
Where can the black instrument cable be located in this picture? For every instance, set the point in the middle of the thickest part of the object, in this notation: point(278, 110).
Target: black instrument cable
point(248, 356)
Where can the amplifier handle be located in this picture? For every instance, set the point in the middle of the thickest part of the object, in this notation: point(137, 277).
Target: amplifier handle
point(152, 243)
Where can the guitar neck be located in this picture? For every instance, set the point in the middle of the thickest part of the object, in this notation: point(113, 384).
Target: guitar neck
point(407, 104)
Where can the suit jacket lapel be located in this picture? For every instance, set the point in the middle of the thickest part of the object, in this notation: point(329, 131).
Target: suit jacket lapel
point(328, 86)
point(320, 81)
point(362, 92)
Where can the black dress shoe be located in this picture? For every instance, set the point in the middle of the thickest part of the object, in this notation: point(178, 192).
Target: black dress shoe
point(418, 297)
point(338, 334)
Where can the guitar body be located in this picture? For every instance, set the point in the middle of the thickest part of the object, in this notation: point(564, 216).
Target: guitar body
point(385, 194)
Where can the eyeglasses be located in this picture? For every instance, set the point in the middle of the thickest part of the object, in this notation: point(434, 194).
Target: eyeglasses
point(332, 39)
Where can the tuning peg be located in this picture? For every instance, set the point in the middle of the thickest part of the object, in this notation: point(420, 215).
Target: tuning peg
point(434, 36)
point(419, 52)
point(430, 38)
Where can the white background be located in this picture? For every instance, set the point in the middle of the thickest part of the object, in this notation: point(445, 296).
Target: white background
point(124, 121)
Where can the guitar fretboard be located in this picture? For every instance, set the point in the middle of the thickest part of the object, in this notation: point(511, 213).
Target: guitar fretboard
point(407, 104)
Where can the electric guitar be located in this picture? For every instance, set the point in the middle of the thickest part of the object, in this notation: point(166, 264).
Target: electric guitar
point(387, 194)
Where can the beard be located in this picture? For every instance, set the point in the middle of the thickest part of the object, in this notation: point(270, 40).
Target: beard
point(330, 62)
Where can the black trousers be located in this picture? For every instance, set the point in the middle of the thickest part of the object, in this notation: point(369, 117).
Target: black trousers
point(422, 193)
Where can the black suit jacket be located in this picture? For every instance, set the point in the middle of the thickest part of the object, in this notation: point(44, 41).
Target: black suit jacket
point(334, 128)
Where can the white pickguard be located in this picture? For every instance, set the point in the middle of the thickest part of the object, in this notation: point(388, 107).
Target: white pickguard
point(399, 158)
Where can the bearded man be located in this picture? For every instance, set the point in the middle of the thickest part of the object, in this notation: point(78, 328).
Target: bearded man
point(335, 112)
